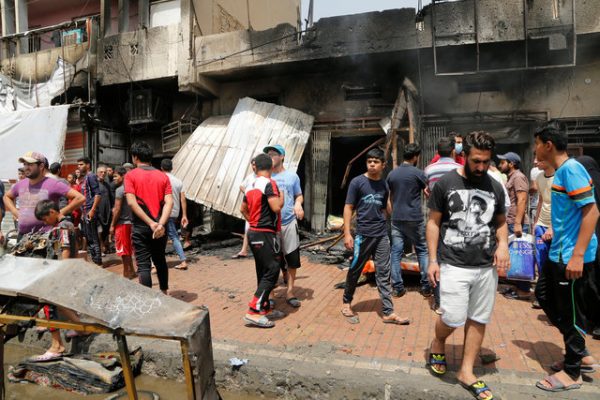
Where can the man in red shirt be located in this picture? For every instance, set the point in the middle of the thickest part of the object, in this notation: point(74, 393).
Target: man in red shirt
point(261, 208)
point(458, 150)
point(148, 193)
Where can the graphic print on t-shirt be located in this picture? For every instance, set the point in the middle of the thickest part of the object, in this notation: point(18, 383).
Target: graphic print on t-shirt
point(470, 213)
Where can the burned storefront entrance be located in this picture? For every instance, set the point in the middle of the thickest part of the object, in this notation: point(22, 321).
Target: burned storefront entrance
point(336, 155)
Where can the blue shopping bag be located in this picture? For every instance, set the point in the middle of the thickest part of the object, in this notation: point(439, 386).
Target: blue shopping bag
point(522, 257)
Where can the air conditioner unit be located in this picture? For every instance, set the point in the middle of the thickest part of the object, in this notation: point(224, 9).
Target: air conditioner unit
point(73, 36)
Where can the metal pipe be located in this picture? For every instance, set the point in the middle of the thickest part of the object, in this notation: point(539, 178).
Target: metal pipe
point(126, 365)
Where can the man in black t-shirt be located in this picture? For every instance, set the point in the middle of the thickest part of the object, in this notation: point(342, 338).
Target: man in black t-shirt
point(406, 183)
point(467, 219)
point(368, 195)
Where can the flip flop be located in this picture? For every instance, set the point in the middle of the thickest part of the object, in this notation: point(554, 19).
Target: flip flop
point(180, 267)
point(437, 359)
point(293, 301)
point(585, 369)
point(47, 356)
point(556, 385)
point(238, 255)
point(262, 322)
point(396, 320)
point(476, 388)
point(275, 315)
point(351, 317)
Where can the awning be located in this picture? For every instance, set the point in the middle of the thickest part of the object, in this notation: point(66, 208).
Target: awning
point(214, 161)
point(39, 129)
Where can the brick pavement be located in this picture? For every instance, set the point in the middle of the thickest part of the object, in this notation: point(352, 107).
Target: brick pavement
point(520, 336)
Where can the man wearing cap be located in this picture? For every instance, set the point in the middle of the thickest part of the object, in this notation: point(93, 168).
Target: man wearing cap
point(36, 187)
point(518, 191)
point(289, 183)
point(517, 218)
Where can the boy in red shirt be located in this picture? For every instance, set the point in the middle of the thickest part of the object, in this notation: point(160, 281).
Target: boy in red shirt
point(148, 193)
point(261, 207)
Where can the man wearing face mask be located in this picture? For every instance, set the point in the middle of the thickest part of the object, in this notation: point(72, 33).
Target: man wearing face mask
point(458, 149)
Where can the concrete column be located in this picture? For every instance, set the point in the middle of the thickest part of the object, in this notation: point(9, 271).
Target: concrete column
point(22, 24)
point(105, 18)
point(8, 17)
point(144, 13)
point(7, 9)
point(123, 16)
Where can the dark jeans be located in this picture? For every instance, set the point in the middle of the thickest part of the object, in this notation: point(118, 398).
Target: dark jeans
point(412, 232)
point(379, 249)
point(267, 259)
point(90, 231)
point(147, 252)
point(571, 306)
point(524, 286)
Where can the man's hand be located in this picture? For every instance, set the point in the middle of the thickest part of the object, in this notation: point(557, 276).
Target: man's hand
point(91, 214)
point(433, 273)
point(111, 231)
point(518, 230)
point(184, 221)
point(158, 230)
point(15, 215)
point(574, 267)
point(349, 241)
point(548, 235)
point(502, 257)
point(299, 211)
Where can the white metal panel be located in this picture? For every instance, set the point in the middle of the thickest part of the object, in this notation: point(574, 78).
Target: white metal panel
point(214, 161)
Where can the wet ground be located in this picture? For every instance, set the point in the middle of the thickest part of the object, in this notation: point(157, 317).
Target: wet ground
point(165, 388)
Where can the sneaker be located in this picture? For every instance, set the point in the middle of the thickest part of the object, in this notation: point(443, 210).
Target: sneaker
point(536, 305)
point(426, 291)
point(596, 333)
point(399, 293)
point(436, 309)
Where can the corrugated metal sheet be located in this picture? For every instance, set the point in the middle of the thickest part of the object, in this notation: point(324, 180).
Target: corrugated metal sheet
point(214, 161)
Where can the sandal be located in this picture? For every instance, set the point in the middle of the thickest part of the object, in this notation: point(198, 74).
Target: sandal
point(293, 301)
point(477, 388)
point(239, 255)
point(262, 322)
point(47, 356)
point(275, 315)
point(395, 319)
point(181, 267)
point(437, 359)
point(351, 317)
point(556, 385)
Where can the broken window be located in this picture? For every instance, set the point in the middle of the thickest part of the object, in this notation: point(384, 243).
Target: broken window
point(108, 52)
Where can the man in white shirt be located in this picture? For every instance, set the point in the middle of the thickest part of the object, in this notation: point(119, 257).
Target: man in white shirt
point(179, 204)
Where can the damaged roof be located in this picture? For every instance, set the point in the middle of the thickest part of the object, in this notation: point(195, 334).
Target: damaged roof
point(214, 161)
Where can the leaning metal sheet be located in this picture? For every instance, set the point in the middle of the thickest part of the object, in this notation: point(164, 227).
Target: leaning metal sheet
point(215, 160)
point(102, 296)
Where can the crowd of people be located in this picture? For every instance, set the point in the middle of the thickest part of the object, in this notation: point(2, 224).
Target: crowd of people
point(474, 212)
point(135, 206)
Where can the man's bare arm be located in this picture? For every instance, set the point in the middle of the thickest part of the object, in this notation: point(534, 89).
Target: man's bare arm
point(76, 199)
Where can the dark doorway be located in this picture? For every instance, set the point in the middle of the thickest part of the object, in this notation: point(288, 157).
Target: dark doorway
point(344, 149)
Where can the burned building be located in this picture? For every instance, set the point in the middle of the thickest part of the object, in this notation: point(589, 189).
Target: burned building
point(505, 67)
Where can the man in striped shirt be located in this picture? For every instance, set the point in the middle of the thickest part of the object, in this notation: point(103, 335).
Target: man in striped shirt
point(446, 163)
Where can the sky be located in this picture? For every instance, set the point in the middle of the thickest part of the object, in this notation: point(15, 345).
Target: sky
point(329, 8)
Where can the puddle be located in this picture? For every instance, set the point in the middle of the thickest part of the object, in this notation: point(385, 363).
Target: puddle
point(165, 388)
